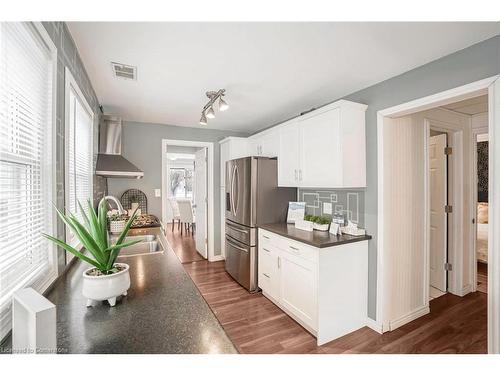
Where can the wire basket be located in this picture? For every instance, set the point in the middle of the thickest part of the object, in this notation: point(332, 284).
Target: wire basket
point(116, 226)
point(134, 196)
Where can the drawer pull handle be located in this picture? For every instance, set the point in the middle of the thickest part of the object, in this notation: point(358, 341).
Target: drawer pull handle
point(267, 238)
point(266, 249)
point(294, 248)
point(266, 275)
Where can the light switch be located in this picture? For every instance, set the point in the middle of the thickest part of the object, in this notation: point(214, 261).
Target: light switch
point(327, 208)
point(157, 193)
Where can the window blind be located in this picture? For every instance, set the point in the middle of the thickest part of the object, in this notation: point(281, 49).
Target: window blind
point(79, 152)
point(26, 170)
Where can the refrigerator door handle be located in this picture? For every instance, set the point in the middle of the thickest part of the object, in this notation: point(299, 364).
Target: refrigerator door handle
point(235, 189)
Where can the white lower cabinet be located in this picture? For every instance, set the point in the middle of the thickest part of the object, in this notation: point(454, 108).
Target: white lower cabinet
point(324, 290)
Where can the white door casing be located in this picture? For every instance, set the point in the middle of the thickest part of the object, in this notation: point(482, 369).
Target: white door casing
point(438, 221)
point(200, 196)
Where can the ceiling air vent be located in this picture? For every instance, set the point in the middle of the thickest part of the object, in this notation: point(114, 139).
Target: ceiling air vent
point(124, 71)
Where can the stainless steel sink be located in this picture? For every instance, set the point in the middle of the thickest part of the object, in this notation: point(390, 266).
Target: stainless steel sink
point(149, 245)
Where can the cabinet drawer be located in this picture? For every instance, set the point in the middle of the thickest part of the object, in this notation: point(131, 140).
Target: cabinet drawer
point(299, 249)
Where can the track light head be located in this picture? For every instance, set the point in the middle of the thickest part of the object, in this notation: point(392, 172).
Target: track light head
point(203, 119)
point(210, 113)
point(222, 104)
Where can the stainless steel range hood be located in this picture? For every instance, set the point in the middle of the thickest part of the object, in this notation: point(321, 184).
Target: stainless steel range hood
point(110, 162)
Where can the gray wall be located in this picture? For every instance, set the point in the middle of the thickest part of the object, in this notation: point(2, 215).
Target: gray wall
point(67, 56)
point(142, 146)
point(471, 64)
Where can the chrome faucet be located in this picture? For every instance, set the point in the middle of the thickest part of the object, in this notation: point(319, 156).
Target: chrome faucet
point(119, 206)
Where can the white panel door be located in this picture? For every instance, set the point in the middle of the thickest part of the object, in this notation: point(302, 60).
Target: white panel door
point(200, 196)
point(438, 220)
point(298, 287)
point(320, 156)
point(289, 155)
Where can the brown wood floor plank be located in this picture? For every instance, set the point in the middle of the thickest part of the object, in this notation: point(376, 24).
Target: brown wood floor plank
point(183, 245)
point(256, 325)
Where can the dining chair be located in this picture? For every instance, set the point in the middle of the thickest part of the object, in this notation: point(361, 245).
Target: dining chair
point(186, 215)
point(175, 212)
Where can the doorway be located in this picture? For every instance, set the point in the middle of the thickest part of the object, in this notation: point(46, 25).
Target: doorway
point(187, 199)
point(399, 241)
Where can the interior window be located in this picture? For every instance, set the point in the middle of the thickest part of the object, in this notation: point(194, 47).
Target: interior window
point(181, 182)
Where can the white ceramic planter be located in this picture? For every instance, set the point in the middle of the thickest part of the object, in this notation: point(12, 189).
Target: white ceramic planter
point(106, 287)
point(321, 227)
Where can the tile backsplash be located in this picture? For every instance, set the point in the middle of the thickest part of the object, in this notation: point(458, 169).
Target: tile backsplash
point(350, 202)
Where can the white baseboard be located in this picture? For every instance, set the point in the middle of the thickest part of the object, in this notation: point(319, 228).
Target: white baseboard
point(409, 317)
point(466, 290)
point(373, 324)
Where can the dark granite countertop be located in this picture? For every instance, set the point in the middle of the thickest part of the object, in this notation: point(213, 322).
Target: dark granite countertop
point(314, 238)
point(162, 313)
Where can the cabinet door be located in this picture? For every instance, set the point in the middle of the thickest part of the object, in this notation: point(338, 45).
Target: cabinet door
point(269, 144)
point(254, 146)
point(269, 276)
point(289, 155)
point(299, 288)
point(320, 152)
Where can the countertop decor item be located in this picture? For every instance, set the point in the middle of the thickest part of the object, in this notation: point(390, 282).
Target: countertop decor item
point(304, 225)
point(319, 222)
point(296, 211)
point(352, 229)
point(116, 223)
point(107, 279)
point(132, 198)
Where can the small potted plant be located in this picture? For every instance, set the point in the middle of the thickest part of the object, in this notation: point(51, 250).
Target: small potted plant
point(106, 279)
point(321, 223)
point(116, 223)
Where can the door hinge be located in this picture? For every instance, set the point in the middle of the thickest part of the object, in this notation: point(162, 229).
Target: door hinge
point(448, 267)
point(448, 209)
point(448, 150)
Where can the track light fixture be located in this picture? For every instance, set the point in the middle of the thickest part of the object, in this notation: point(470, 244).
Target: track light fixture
point(203, 119)
point(208, 109)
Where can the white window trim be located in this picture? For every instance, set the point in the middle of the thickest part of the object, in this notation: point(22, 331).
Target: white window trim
point(43, 286)
point(70, 83)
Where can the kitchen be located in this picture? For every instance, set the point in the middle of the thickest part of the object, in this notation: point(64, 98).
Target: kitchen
point(289, 261)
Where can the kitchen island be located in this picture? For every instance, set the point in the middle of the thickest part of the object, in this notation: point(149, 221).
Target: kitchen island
point(163, 311)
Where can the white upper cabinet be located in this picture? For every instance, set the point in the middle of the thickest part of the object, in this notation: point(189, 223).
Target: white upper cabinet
point(289, 157)
point(231, 148)
point(265, 143)
point(324, 148)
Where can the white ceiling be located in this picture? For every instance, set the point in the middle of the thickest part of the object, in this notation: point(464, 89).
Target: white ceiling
point(471, 106)
point(271, 71)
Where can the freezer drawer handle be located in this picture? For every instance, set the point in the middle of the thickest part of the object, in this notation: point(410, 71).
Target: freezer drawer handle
point(237, 247)
point(236, 229)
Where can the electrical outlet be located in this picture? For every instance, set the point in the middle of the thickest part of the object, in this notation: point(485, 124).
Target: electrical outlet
point(157, 193)
point(327, 208)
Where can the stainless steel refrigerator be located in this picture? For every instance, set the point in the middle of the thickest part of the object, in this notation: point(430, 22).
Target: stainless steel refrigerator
point(252, 198)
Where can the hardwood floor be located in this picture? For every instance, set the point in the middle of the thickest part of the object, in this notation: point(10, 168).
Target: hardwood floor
point(256, 325)
point(482, 277)
point(183, 245)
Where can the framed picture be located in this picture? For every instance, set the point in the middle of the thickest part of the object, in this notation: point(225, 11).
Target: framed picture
point(296, 211)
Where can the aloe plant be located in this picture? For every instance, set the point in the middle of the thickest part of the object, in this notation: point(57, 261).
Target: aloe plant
point(93, 235)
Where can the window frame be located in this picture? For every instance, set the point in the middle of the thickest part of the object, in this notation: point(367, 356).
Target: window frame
point(69, 84)
point(42, 286)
